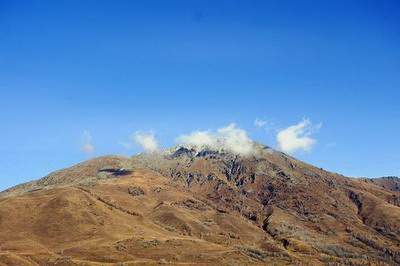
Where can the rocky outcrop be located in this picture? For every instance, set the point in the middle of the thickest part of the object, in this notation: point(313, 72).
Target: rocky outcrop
point(135, 191)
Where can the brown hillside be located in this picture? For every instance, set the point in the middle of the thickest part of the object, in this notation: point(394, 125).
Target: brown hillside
point(199, 207)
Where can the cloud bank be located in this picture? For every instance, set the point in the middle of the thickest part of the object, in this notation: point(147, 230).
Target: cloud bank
point(87, 146)
point(147, 141)
point(229, 138)
point(297, 137)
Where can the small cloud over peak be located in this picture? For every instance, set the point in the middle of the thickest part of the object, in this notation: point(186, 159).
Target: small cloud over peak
point(199, 139)
point(259, 123)
point(236, 140)
point(146, 140)
point(297, 137)
point(87, 145)
point(230, 138)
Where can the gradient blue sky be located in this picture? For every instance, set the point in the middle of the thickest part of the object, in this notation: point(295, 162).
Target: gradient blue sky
point(115, 67)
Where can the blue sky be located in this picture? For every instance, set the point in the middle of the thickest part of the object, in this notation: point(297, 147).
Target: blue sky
point(111, 68)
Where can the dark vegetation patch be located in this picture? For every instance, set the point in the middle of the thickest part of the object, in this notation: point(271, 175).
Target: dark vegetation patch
point(116, 171)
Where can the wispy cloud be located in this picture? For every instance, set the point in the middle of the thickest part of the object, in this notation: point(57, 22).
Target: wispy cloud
point(146, 140)
point(229, 138)
point(259, 123)
point(297, 137)
point(87, 145)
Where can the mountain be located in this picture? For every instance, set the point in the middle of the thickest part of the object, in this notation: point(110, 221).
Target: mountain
point(389, 182)
point(200, 206)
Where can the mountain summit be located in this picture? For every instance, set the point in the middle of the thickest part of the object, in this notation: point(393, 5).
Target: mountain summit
point(189, 205)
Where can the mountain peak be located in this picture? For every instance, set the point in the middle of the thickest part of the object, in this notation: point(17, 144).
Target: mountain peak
point(206, 150)
point(266, 207)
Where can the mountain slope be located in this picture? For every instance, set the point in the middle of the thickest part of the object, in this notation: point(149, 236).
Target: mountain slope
point(388, 182)
point(199, 206)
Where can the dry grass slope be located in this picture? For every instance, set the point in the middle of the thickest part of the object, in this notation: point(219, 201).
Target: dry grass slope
point(205, 208)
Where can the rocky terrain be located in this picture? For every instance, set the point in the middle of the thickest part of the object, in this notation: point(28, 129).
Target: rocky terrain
point(200, 207)
point(388, 182)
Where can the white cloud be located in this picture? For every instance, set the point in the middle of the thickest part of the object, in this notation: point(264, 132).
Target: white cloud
point(87, 146)
point(236, 140)
point(199, 139)
point(147, 141)
point(259, 122)
point(229, 138)
point(297, 137)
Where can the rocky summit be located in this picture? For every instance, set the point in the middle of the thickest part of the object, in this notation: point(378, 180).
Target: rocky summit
point(200, 207)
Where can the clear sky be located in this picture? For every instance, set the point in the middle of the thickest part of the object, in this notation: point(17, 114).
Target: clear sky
point(74, 73)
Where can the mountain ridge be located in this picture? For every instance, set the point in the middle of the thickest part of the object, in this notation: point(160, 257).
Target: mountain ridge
point(265, 208)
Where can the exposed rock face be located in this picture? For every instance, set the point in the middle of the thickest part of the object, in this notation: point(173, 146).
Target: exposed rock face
point(135, 191)
point(266, 208)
